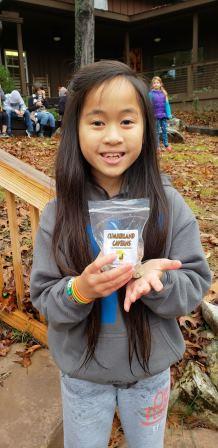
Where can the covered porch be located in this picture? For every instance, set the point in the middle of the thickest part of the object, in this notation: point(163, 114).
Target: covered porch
point(176, 42)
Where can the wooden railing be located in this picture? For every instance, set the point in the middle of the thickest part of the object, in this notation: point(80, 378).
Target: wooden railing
point(35, 188)
point(192, 80)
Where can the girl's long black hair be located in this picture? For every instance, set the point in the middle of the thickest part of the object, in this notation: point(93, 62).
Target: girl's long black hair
point(142, 179)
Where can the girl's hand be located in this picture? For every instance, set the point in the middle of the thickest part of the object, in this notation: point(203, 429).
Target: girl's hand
point(94, 283)
point(151, 279)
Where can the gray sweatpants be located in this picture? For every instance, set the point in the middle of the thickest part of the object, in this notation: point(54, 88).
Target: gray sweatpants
point(88, 411)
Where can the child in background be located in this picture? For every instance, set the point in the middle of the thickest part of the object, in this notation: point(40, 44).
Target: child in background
point(40, 94)
point(37, 105)
point(114, 337)
point(162, 110)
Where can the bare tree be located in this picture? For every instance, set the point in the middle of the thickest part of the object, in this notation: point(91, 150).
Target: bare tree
point(84, 32)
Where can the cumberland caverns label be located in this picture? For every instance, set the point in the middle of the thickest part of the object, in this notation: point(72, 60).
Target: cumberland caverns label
point(124, 243)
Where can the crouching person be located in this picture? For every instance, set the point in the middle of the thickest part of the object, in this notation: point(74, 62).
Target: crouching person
point(15, 107)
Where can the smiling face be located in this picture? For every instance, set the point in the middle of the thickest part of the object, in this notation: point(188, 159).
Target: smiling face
point(156, 84)
point(111, 131)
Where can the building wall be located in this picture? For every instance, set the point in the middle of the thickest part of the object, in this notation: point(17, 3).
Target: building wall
point(44, 55)
point(56, 59)
point(130, 6)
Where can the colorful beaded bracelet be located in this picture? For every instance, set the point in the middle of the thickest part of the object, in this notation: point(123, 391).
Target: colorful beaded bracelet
point(69, 285)
point(73, 292)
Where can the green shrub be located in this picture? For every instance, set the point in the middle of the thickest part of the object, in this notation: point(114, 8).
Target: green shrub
point(6, 81)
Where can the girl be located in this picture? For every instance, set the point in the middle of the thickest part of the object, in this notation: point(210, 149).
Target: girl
point(162, 111)
point(112, 336)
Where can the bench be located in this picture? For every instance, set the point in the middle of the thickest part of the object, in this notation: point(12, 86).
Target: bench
point(19, 129)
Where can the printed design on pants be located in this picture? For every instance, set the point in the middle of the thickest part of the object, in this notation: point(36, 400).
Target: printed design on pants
point(153, 414)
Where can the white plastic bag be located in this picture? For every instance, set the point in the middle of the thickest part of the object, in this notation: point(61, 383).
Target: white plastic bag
point(117, 226)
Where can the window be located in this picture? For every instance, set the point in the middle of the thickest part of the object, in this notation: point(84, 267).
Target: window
point(101, 4)
point(12, 64)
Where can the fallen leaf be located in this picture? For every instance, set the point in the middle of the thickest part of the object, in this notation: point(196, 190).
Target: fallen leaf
point(214, 240)
point(191, 320)
point(32, 349)
point(192, 344)
point(3, 349)
point(25, 362)
point(214, 287)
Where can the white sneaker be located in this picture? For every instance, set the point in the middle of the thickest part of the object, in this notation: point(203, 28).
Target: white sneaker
point(37, 127)
point(28, 133)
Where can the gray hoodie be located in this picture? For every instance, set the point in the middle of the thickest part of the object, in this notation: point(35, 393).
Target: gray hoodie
point(14, 101)
point(182, 293)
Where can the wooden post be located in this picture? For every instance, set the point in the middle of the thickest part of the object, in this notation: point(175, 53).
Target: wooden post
point(17, 263)
point(127, 48)
point(190, 80)
point(191, 75)
point(20, 59)
point(195, 39)
point(84, 32)
point(34, 218)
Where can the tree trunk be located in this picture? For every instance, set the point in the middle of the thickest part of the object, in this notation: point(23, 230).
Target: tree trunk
point(84, 32)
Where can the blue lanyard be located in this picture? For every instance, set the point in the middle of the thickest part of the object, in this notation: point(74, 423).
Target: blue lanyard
point(109, 304)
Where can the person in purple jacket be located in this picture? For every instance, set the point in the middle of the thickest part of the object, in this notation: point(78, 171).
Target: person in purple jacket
point(162, 111)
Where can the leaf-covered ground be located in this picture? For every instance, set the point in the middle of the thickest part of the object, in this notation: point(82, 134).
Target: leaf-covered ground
point(197, 118)
point(192, 168)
